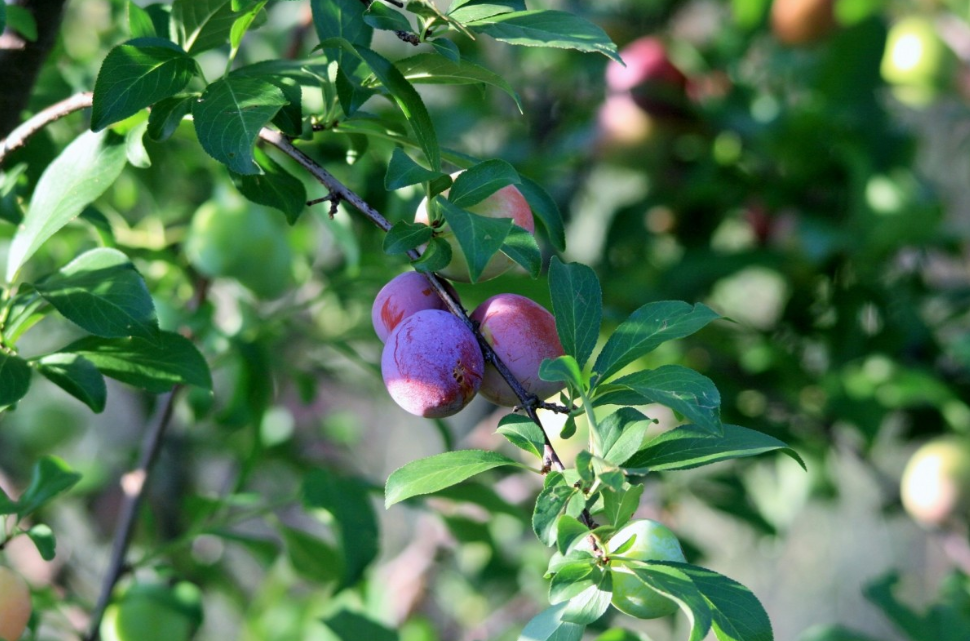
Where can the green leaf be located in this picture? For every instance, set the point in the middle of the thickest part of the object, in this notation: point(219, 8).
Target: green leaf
point(243, 23)
point(44, 541)
point(437, 255)
point(681, 389)
point(674, 583)
point(521, 246)
point(201, 25)
point(137, 74)
point(448, 49)
point(619, 506)
point(437, 472)
point(469, 10)
point(618, 436)
point(79, 174)
point(402, 171)
point(523, 433)
point(380, 16)
point(549, 625)
point(102, 292)
point(140, 23)
point(275, 187)
point(547, 29)
point(135, 150)
point(737, 613)
point(230, 114)
point(167, 115)
point(568, 530)
point(342, 19)
point(577, 304)
point(689, 446)
point(573, 577)
point(552, 500)
point(311, 557)
point(590, 604)
point(351, 626)
point(405, 236)
point(6, 505)
point(14, 378)
point(833, 633)
point(77, 376)
point(21, 20)
point(348, 501)
point(562, 368)
point(477, 183)
point(408, 101)
point(155, 365)
point(3, 16)
point(428, 68)
point(479, 237)
point(544, 208)
point(647, 328)
point(50, 477)
point(880, 593)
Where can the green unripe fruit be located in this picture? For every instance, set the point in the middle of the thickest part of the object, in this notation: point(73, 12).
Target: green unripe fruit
point(242, 242)
point(916, 61)
point(935, 486)
point(154, 612)
point(653, 542)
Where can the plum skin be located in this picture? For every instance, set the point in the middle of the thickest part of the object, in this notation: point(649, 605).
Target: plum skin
point(523, 334)
point(15, 604)
point(403, 296)
point(432, 364)
point(935, 486)
point(507, 202)
point(654, 542)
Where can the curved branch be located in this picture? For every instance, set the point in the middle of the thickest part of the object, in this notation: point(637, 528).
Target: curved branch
point(18, 137)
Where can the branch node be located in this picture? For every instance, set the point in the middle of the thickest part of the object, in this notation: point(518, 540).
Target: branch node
point(333, 197)
point(409, 37)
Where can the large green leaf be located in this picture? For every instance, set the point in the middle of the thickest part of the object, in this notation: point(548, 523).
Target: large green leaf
point(618, 436)
point(689, 446)
point(103, 293)
point(479, 237)
point(137, 74)
point(81, 173)
point(348, 502)
point(547, 29)
point(577, 304)
point(522, 432)
point(402, 171)
point(437, 472)
point(549, 625)
point(545, 210)
point(737, 615)
point(521, 246)
point(155, 365)
point(312, 557)
point(555, 495)
point(672, 582)
point(647, 328)
point(681, 389)
point(14, 378)
point(342, 19)
point(405, 236)
point(429, 68)
point(77, 376)
point(477, 183)
point(201, 25)
point(230, 114)
point(470, 10)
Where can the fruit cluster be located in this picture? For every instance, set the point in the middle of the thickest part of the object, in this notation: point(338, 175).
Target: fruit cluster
point(432, 363)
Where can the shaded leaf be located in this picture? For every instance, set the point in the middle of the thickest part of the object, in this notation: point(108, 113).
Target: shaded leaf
point(405, 236)
point(167, 115)
point(544, 209)
point(43, 539)
point(14, 378)
point(552, 500)
point(675, 584)
point(547, 29)
point(312, 557)
point(436, 256)
point(469, 10)
point(737, 615)
point(479, 237)
point(50, 476)
point(351, 626)
point(77, 376)
point(549, 625)
point(201, 25)
point(523, 433)
point(275, 187)
point(480, 181)
point(402, 171)
point(521, 246)
point(577, 304)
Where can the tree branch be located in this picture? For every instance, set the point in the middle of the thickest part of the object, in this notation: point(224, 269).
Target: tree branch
point(18, 137)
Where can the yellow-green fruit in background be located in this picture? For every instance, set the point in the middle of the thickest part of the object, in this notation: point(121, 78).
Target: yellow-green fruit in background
point(917, 62)
point(244, 242)
point(935, 486)
point(653, 542)
point(14, 604)
point(154, 612)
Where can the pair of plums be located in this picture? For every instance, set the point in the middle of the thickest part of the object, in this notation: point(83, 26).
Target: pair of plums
point(432, 363)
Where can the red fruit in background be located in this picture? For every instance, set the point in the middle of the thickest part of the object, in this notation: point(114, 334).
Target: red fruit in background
point(402, 296)
point(653, 82)
point(432, 364)
point(523, 334)
point(15, 604)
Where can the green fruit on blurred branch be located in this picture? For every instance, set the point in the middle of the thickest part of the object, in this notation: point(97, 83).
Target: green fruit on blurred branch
point(235, 239)
point(154, 612)
point(14, 604)
point(917, 62)
point(653, 542)
point(935, 486)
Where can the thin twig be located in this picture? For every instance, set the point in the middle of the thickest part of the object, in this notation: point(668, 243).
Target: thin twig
point(133, 485)
point(18, 137)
